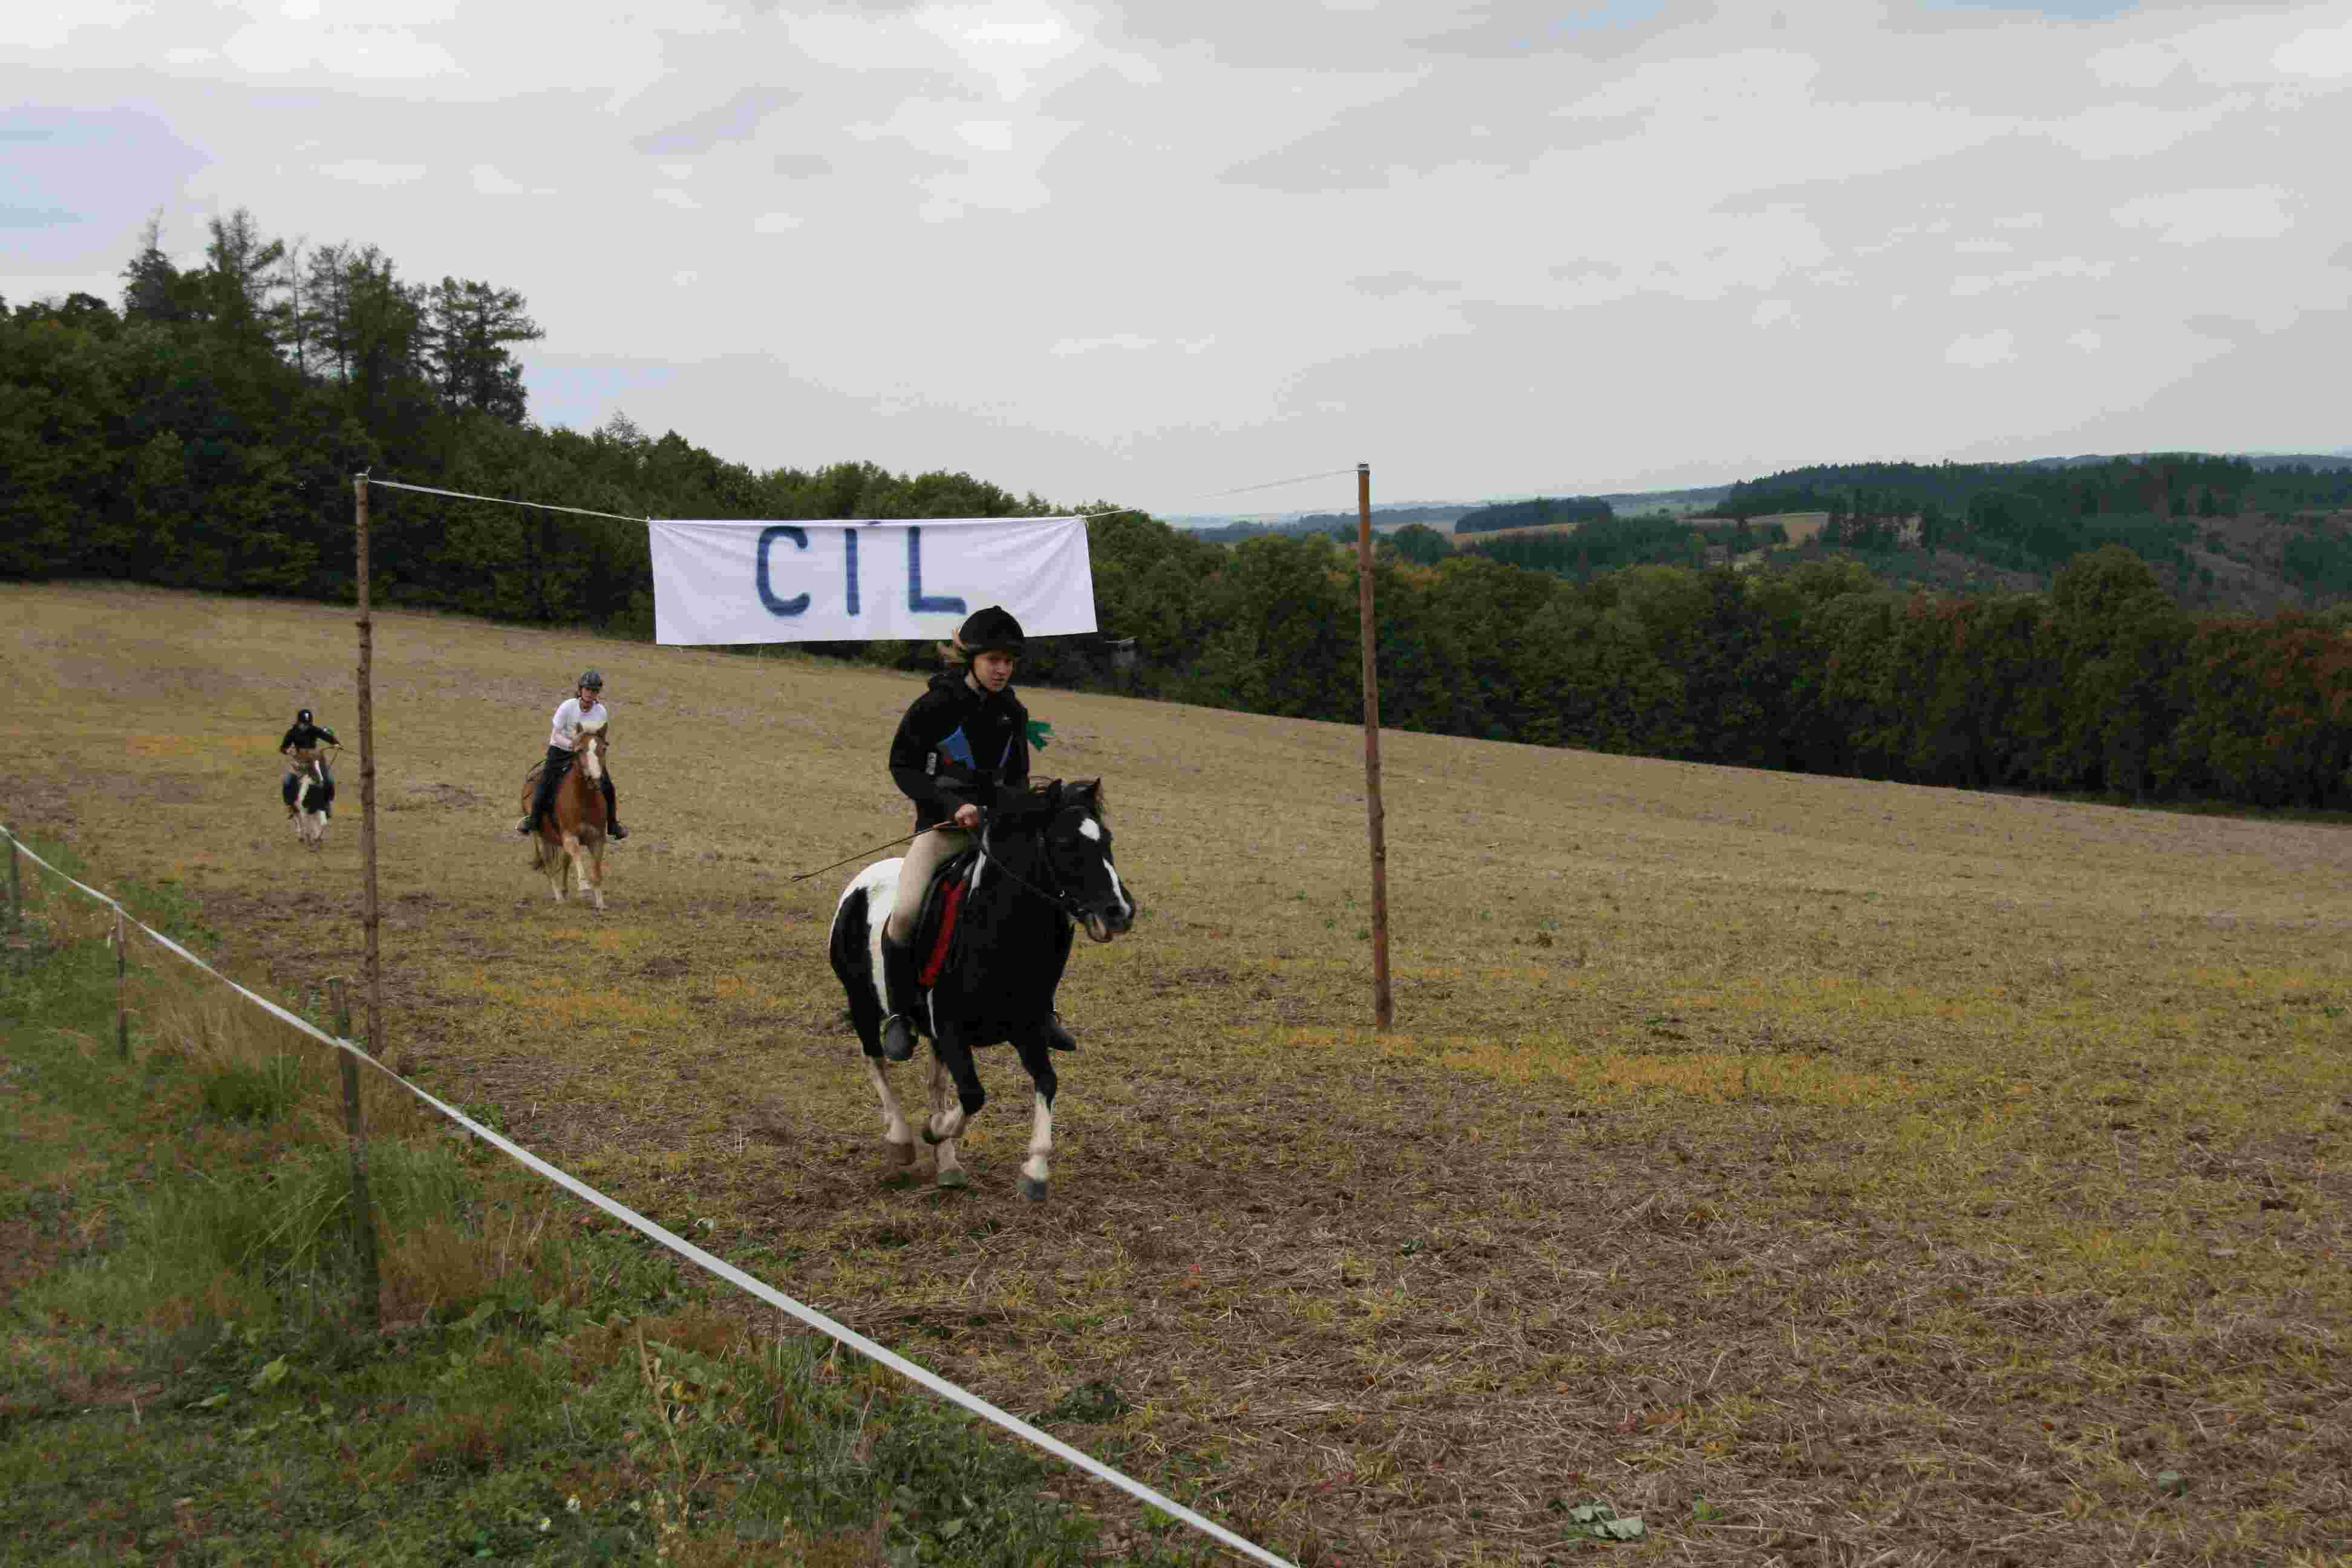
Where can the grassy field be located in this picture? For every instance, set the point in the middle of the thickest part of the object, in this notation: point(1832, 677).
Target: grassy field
point(1824, 1171)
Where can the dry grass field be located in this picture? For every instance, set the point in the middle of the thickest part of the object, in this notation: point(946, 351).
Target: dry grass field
point(1826, 1171)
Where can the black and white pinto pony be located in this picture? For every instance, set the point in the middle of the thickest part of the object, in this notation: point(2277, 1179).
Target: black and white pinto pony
point(1042, 868)
point(309, 796)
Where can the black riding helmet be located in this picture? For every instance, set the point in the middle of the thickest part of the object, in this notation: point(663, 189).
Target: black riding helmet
point(592, 680)
point(990, 630)
point(303, 717)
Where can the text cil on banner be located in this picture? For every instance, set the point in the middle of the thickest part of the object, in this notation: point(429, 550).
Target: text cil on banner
point(730, 582)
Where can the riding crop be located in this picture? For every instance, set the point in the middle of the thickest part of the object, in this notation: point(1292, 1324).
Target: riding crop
point(862, 854)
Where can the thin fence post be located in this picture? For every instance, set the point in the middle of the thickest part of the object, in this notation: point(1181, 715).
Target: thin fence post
point(366, 679)
point(122, 970)
point(15, 888)
point(1383, 1002)
point(362, 1208)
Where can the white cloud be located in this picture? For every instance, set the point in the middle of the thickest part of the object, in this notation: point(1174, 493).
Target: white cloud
point(369, 171)
point(1773, 313)
point(489, 181)
point(677, 198)
point(2325, 52)
point(2197, 217)
point(775, 222)
point(1970, 286)
point(1125, 340)
point(1997, 347)
point(390, 53)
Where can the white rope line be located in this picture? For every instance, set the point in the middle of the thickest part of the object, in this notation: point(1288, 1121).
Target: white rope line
point(718, 1266)
point(582, 511)
point(502, 500)
point(1272, 484)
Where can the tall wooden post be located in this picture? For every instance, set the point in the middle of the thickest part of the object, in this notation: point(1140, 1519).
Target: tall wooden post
point(122, 970)
point(367, 784)
point(362, 1207)
point(1383, 1004)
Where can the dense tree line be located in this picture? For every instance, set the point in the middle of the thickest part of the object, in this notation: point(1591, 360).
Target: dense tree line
point(2102, 685)
point(2166, 485)
point(1541, 512)
point(204, 434)
point(1613, 543)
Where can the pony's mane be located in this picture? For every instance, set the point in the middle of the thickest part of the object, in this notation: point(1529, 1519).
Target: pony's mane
point(1101, 802)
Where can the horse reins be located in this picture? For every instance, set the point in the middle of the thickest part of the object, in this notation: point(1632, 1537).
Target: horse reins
point(1060, 899)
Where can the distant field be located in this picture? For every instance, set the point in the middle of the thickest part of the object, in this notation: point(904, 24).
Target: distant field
point(1803, 526)
point(1827, 1172)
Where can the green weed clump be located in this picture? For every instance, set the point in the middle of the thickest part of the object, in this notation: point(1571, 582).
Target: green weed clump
point(185, 1372)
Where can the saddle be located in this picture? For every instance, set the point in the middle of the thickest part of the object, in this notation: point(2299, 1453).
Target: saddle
point(562, 765)
point(942, 903)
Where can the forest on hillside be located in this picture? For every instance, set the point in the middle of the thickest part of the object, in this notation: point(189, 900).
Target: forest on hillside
point(201, 432)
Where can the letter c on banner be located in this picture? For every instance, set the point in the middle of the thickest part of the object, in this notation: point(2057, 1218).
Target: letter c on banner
point(798, 602)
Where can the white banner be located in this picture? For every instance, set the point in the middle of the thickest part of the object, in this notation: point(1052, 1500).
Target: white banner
point(835, 582)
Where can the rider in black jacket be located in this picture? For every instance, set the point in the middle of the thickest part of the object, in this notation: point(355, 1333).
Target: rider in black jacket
point(962, 747)
point(306, 734)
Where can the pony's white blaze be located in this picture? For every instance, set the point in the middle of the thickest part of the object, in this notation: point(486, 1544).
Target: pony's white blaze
point(1090, 828)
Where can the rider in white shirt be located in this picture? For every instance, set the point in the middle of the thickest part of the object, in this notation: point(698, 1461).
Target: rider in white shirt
point(582, 711)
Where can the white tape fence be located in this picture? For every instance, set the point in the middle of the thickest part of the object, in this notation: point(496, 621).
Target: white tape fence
point(693, 1254)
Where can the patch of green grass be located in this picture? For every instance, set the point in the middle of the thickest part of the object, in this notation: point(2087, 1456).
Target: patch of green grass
point(184, 1372)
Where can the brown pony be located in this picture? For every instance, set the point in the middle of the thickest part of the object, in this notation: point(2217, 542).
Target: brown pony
point(570, 837)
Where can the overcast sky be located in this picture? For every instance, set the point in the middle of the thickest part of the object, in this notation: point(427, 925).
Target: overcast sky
point(1151, 253)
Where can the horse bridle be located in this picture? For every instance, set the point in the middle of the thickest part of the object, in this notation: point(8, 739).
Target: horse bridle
point(1059, 898)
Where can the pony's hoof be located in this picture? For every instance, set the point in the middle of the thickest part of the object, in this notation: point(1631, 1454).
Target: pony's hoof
point(1033, 1189)
point(902, 1153)
point(952, 1179)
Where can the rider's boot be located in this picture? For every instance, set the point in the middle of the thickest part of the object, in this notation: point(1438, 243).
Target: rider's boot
point(522, 825)
point(898, 986)
point(613, 829)
point(1057, 1035)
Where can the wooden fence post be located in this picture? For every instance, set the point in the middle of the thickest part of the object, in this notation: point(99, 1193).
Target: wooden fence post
point(121, 970)
point(15, 888)
point(1383, 1002)
point(363, 1209)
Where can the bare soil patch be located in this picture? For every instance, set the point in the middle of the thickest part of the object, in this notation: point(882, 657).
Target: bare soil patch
point(1826, 1171)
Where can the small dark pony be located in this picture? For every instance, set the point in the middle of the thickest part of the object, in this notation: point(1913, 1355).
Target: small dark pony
point(571, 838)
point(1043, 868)
point(309, 796)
